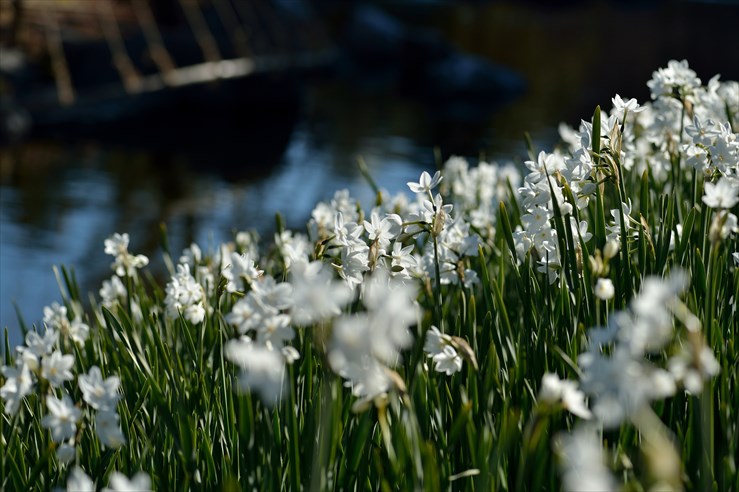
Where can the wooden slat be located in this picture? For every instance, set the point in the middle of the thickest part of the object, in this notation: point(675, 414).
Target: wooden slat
point(64, 89)
point(157, 49)
point(200, 30)
point(129, 75)
point(227, 15)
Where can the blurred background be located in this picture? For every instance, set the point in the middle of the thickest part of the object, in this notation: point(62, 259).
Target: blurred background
point(213, 115)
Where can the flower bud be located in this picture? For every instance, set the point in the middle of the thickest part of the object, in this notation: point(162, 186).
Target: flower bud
point(611, 249)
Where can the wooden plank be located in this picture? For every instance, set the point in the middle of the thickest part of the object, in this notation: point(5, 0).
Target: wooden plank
point(64, 89)
point(129, 75)
point(157, 49)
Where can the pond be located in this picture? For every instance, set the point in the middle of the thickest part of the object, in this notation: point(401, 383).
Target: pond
point(59, 199)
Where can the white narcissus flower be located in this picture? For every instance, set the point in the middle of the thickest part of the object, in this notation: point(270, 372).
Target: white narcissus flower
point(55, 317)
point(448, 361)
point(263, 368)
point(275, 330)
point(438, 346)
point(583, 466)
point(120, 483)
point(273, 294)
point(108, 429)
point(620, 106)
point(98, 393)
point(426, 183)
point(40, 346)
point(241, 272)
point(186, 296)
point(56, 368)
point(316, 295)
point(604, 289)
point(556, 391)
point(723, 194)
point(17, 385)
point(78, 481)
point(62, 418)
point(125, 263)
point(693, 369)
point(65, 453)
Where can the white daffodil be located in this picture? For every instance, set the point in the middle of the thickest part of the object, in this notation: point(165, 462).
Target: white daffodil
point(18, 384)
point(693, 367)
point(555, 391)
point(426, 183)
point(276, 330)
point(55, 317)
point(316, 295)
point(584, 464)
point(78, 481)
point(56, 368)
point(108, 429)
point(125, 263)
point(604, 289)
point(112, 292)
point(118, 482)
point(263, 368)
point(242, 271)
point(185, 296)
point(723, 194)
point(98, 393)
point(66, 452)
point(438, 346)
point(273, 294)
point(40, 346)
point(620, 107)
point(62, 417)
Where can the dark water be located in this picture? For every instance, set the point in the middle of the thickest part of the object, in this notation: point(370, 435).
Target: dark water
point(60, 200)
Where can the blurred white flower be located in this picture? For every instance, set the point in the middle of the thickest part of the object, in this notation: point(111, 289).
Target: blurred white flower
point(18, 384)
point(241, 272)
point(316, 294)
point(185, 296)
point(263, 368)
point(108, 429)
point(78, 481)
point(98, 393)
point(621, 384)
point(722, 194)
point(112, 292)
point(275, 329)
point(555, 391)
point(55, 317)
point(583, 466)
point(125, 263)
point(56, 368)
point(66, 452)
point(247, 313)
point(62, 417)
point(40, 346)
point(692, 367)
point(271, 293)
point(118, 482)
point(604, 289)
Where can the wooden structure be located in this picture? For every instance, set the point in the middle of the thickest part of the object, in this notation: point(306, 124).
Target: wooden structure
point(85, 53)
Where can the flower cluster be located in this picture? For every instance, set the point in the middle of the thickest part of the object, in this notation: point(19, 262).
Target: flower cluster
point(43, 368)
